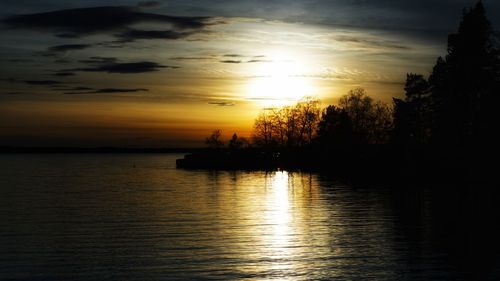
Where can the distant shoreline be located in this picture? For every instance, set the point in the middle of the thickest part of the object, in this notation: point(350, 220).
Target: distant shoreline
point(84, 150)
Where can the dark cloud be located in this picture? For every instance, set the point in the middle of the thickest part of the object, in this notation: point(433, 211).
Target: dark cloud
point(74, 89)
point(231, 61)
point(124, 68)
point(46, 54)
point(148, 4)
point(115, 44)
point(116, 90)
point(422, 19)
point(244, 61)
point(257, 60)
point(68, 47)
point(370, 42)
point(74, 23)
point(19, 60)
point(62, 61)
point(99, 60)
point(237, 58)
point(222, 103)
point(10, 80)
point(136, 34)
point(107, 91)
point(64, 74)
point(233, 56)
point(192, 58)
point(42, 82)
point(54, 51)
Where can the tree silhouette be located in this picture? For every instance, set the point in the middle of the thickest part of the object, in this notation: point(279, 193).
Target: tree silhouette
point(263, 135)
point(235, 142)
point(371, 121)
point(457, 104)
point(335, 127)
point(412, 115)
point(308, 112)
point(464, 85)
point(214, 140)
point(290, 126)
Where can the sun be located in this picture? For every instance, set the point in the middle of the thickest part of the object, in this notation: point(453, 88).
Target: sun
point(279, 81)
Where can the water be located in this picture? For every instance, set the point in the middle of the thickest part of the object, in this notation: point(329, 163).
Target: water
point(136, 217)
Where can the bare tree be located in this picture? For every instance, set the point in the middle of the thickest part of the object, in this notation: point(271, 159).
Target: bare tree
point(382, 123)
point(214, 140)
point(371, 121)
point(289, 126)
point(308, 118)
point(263, 130)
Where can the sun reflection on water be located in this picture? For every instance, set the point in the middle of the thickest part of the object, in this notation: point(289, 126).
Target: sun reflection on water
point(278, 212)
point(278, 217)
point(275, 226)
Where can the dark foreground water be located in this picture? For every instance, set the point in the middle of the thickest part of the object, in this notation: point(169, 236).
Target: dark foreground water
point(136, 217)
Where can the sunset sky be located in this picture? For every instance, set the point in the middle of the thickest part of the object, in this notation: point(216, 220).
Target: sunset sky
point(166, 73)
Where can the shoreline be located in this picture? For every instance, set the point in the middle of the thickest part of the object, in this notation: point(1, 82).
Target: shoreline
point(98, 150)
point(389, 164)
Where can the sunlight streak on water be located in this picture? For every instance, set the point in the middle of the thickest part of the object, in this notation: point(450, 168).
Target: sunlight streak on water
point(278, 217)
point(137, 217)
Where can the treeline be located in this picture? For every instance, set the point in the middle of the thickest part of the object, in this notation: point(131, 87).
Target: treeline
point(357, 119)
point(458, 103)
point(455, 105)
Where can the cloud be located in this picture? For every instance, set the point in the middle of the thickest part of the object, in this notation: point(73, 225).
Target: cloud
point(124, 68)
point(61, 61)
point(244, 61)
point(74, 89)
point(371, 42)
point(74, 23)
point(222, 103)
point(64, 74)
point(231, 61)
point(99, 60)
point(136, 34)
point(422, 19)
point(20, 60)
point(42, 82)
point(233, 56)
point(107, 91)
point(193, 58)
point(148, 4)
point(257, 60)
point(10, 80)
point(237, 58)
point(68, 47)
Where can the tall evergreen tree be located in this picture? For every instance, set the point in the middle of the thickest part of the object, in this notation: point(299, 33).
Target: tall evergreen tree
point(411, 115)
point(464, 85)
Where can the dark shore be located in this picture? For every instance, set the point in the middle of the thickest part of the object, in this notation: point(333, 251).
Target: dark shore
point(363, 163)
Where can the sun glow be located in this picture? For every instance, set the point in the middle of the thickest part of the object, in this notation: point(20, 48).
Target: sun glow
point(280, 81)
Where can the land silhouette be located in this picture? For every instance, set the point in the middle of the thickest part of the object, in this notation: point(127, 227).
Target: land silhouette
point(446, 123)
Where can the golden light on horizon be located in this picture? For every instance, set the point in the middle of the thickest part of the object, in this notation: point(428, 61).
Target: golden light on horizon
point(280, 81)
point(152, 92)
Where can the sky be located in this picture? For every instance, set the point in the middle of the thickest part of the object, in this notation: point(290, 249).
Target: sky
point(167, 73)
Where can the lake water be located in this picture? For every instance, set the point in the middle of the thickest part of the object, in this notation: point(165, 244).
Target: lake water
point(137, 217)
